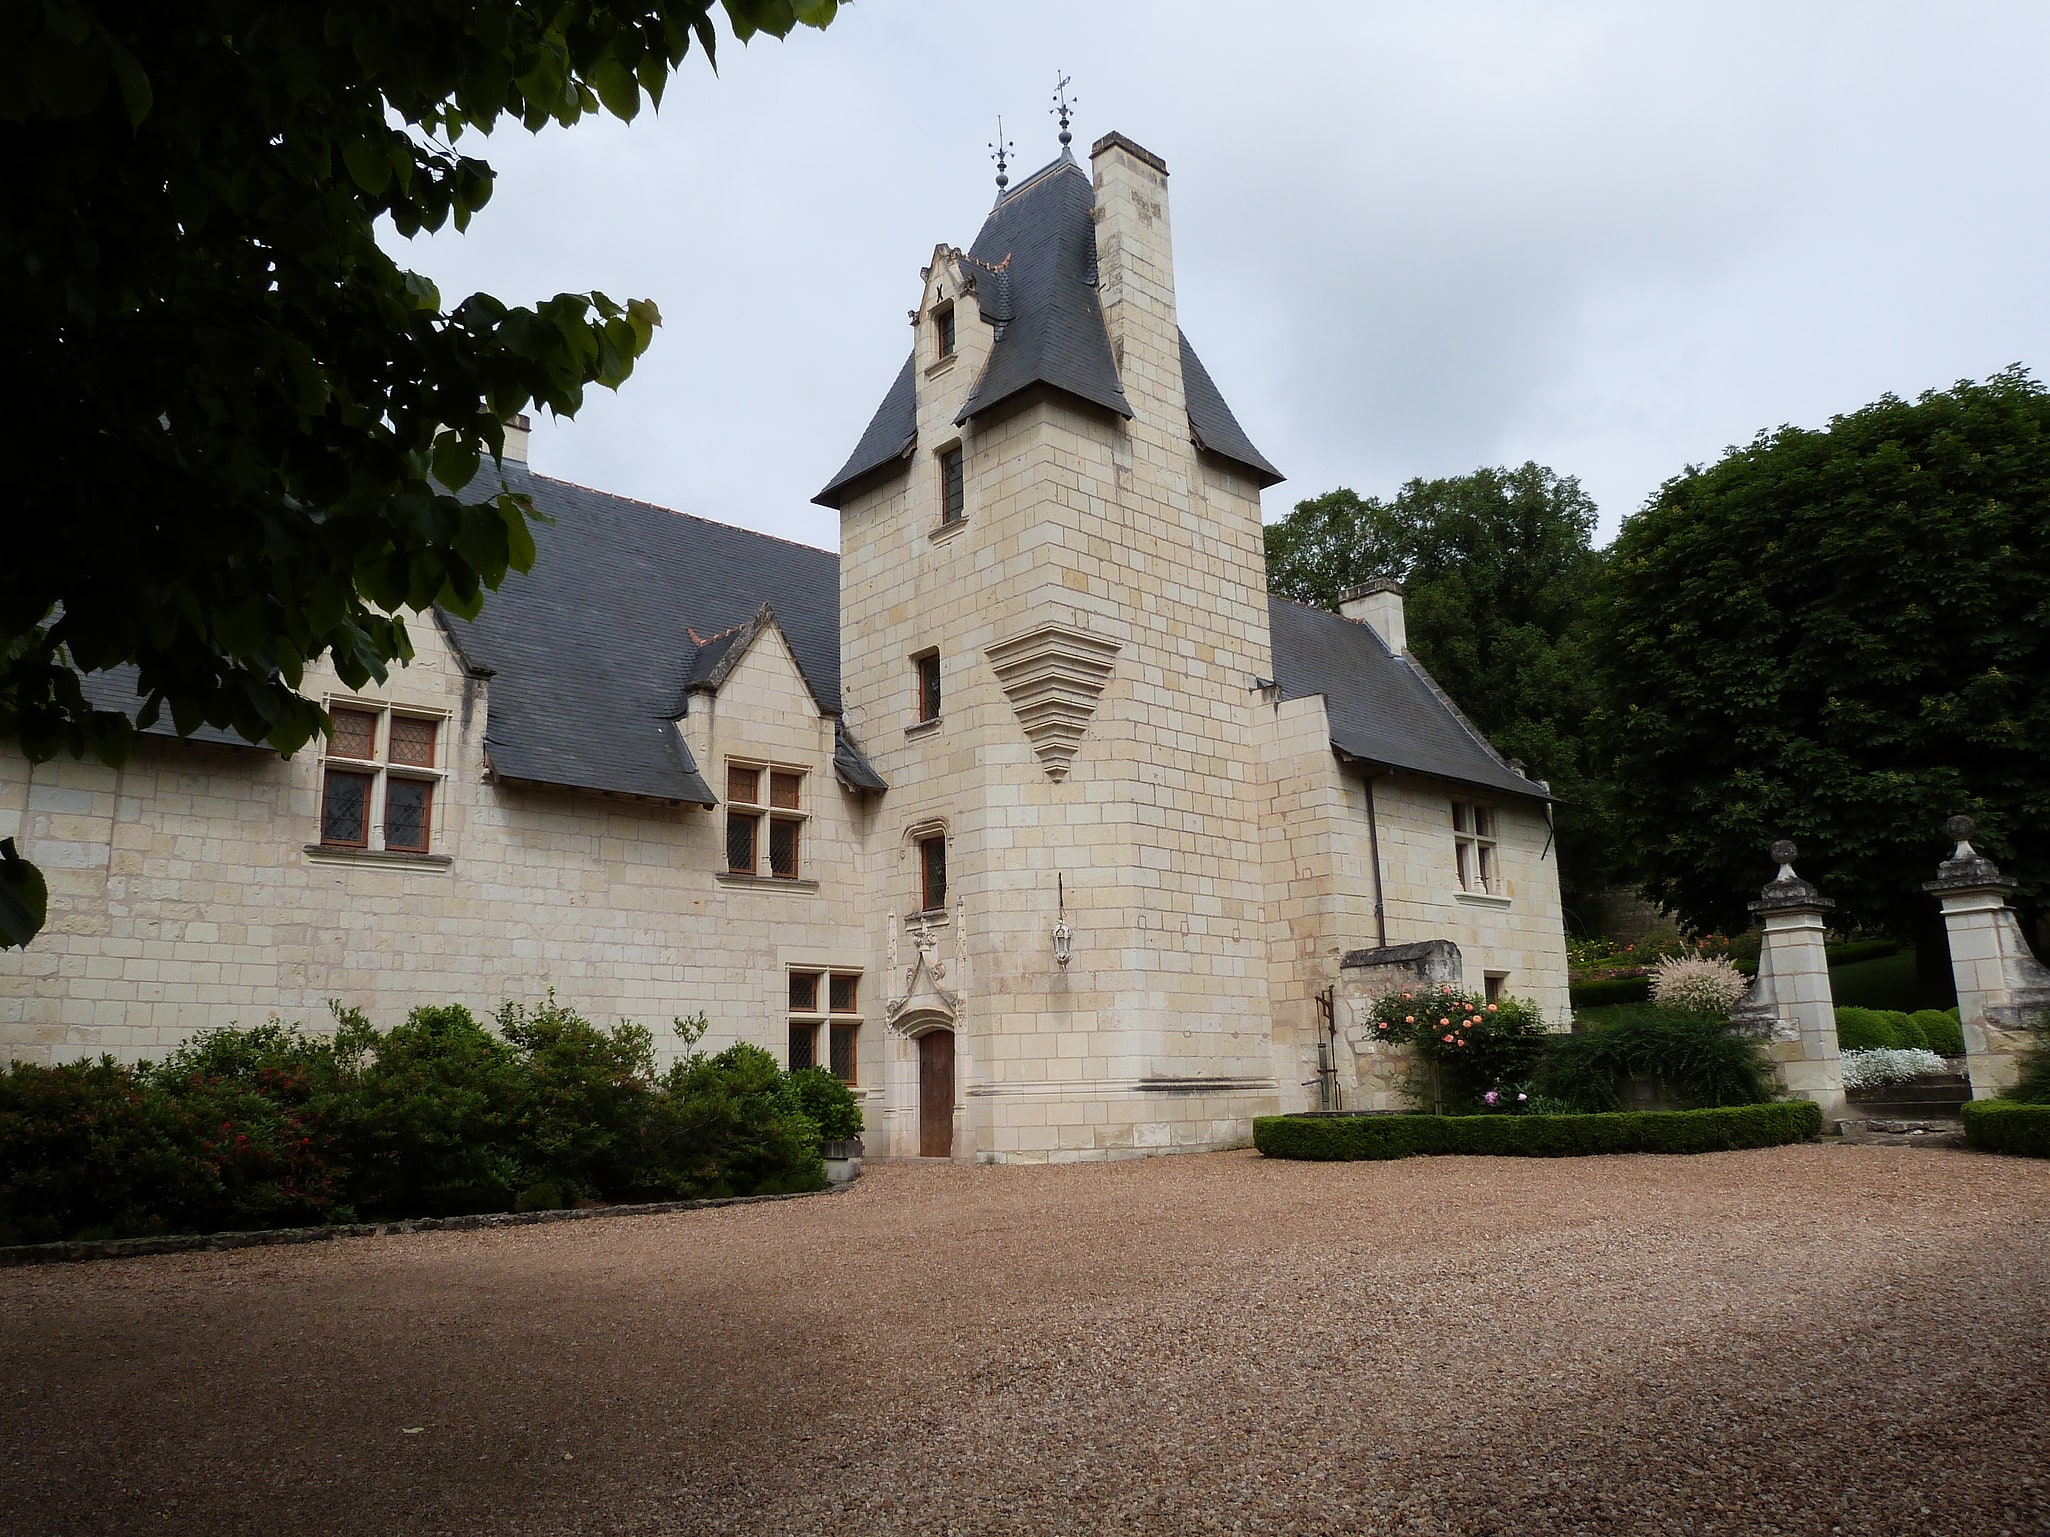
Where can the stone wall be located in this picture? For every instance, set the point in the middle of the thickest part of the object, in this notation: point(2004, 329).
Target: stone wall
point(184, 893)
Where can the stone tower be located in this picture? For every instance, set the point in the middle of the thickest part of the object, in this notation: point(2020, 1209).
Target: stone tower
point(1055, 503)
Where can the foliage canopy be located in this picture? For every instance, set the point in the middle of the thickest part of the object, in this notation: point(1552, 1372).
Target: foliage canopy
point(246, 413)
point(1842, 636)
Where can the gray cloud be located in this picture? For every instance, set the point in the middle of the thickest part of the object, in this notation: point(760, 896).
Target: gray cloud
point(1409, 240)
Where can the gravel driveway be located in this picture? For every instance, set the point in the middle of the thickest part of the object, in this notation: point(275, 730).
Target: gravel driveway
point(1811, 1339)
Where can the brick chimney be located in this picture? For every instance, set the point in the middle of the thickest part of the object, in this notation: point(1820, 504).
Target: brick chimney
point(1378, 603)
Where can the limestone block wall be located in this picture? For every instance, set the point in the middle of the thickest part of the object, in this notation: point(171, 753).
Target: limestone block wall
point(1322, 893)
point(1157, 1033)
point(184, 895)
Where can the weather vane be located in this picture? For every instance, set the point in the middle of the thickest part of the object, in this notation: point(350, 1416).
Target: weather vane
point(1065, 108)
point(1001, 152)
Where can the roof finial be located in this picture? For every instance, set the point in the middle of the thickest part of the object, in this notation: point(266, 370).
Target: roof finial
point(1001, 153)
point(1064, 107)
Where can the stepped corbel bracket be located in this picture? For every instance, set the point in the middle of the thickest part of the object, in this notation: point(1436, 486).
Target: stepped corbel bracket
point(1053, 675)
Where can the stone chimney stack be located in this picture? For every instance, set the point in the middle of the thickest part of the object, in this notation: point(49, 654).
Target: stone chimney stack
point(1378, 603)
point(517, 433)
point(1135, 279)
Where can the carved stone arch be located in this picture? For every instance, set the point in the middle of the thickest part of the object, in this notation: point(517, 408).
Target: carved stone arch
point(924, 1019)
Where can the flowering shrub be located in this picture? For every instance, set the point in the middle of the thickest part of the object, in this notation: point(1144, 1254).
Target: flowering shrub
point(1869, 1069)
point(1698, 984)
point(270, 1127)
point(1473, 1049)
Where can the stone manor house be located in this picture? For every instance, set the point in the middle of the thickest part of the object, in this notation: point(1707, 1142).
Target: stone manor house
point(1031, 813)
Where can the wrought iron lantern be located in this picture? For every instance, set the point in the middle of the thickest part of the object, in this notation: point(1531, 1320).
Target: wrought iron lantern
point(1063, 936)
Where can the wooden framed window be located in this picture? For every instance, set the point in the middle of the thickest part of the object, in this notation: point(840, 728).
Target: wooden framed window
point(345, 809)
point(1476, 847)
point(764, 834)
point(953, 486)
point(379, 780)
point(943, 329)
point(932, 873)
point(408, 814)
point(927, 665)
point(1492, 984)
point(824, 1010)
point(354, 736)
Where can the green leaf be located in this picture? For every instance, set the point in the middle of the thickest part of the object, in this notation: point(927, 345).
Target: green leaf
point(24, 898)
point(369, 165)
point(455, 460)
point(617, 88)
point(129, 77)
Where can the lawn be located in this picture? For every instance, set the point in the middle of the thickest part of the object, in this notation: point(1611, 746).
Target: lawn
point(1800, 1339)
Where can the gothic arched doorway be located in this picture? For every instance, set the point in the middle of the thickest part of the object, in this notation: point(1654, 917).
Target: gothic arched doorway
point(936, 1094)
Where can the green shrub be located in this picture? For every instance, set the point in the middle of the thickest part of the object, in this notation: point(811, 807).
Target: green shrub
point(85, 1148)
point(255, 1108)
point(1593, 995)
point(1697, 1059)
point(579, 1123)
point(2033, 1087)
point(1880, 1030)
point(432, 1112)
point(1851, 951)
point(269, 1127)
point(1536, 1136)
point(829, 1102)
point(2008, 1126)
point(731, 1124)
point(1940, 1028)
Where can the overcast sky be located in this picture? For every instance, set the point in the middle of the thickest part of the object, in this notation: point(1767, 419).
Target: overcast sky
point(1409, 239)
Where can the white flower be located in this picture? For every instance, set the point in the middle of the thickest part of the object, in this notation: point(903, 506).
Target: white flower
point(1869, 1069)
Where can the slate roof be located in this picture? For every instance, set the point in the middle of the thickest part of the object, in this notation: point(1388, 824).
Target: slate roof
point(1211, 421)
point(1035, 282)
point(1383, 708)
point(117, 689)
point(886, 443)
point(1035, 273)
point(594, 650)
point(593, 653)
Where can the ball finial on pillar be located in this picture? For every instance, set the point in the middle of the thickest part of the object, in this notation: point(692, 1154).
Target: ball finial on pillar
point(1959, 829)
point(1783, 851)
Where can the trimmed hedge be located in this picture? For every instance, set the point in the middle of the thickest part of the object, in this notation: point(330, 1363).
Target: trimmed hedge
point(1593, 995)
point(1996, 1126)
point(1330, 1138)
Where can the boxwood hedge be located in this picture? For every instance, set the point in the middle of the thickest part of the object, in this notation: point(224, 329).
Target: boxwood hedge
point(2001, 1126)
point(1537, 1136)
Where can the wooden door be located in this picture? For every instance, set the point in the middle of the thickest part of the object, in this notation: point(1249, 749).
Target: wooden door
point(936, 1094)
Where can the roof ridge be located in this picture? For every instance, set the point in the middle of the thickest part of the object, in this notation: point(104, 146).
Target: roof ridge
point(1043, 175)
point(674, 512)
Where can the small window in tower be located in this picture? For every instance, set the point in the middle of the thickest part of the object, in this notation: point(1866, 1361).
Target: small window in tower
point(932, 872)
point(953, 492)
point(928, 665)
point(943, 329)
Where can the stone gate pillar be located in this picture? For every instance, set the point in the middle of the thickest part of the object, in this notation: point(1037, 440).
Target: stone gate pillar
point(1790, 1006)
point(1378, 1071)
point(2002, 989)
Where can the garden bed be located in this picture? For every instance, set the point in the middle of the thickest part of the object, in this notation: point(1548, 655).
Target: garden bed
point(1328, 1138)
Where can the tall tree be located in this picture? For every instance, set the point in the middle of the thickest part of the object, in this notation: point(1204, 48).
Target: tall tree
point(244, 412)
point(1498, 567)
point(1842, 636)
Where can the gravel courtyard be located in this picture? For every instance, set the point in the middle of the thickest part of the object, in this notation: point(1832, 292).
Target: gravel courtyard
point(1811, 1339)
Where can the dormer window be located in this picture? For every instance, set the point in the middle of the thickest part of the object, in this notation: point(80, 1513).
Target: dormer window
point(943, 330)
point(953, 486)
